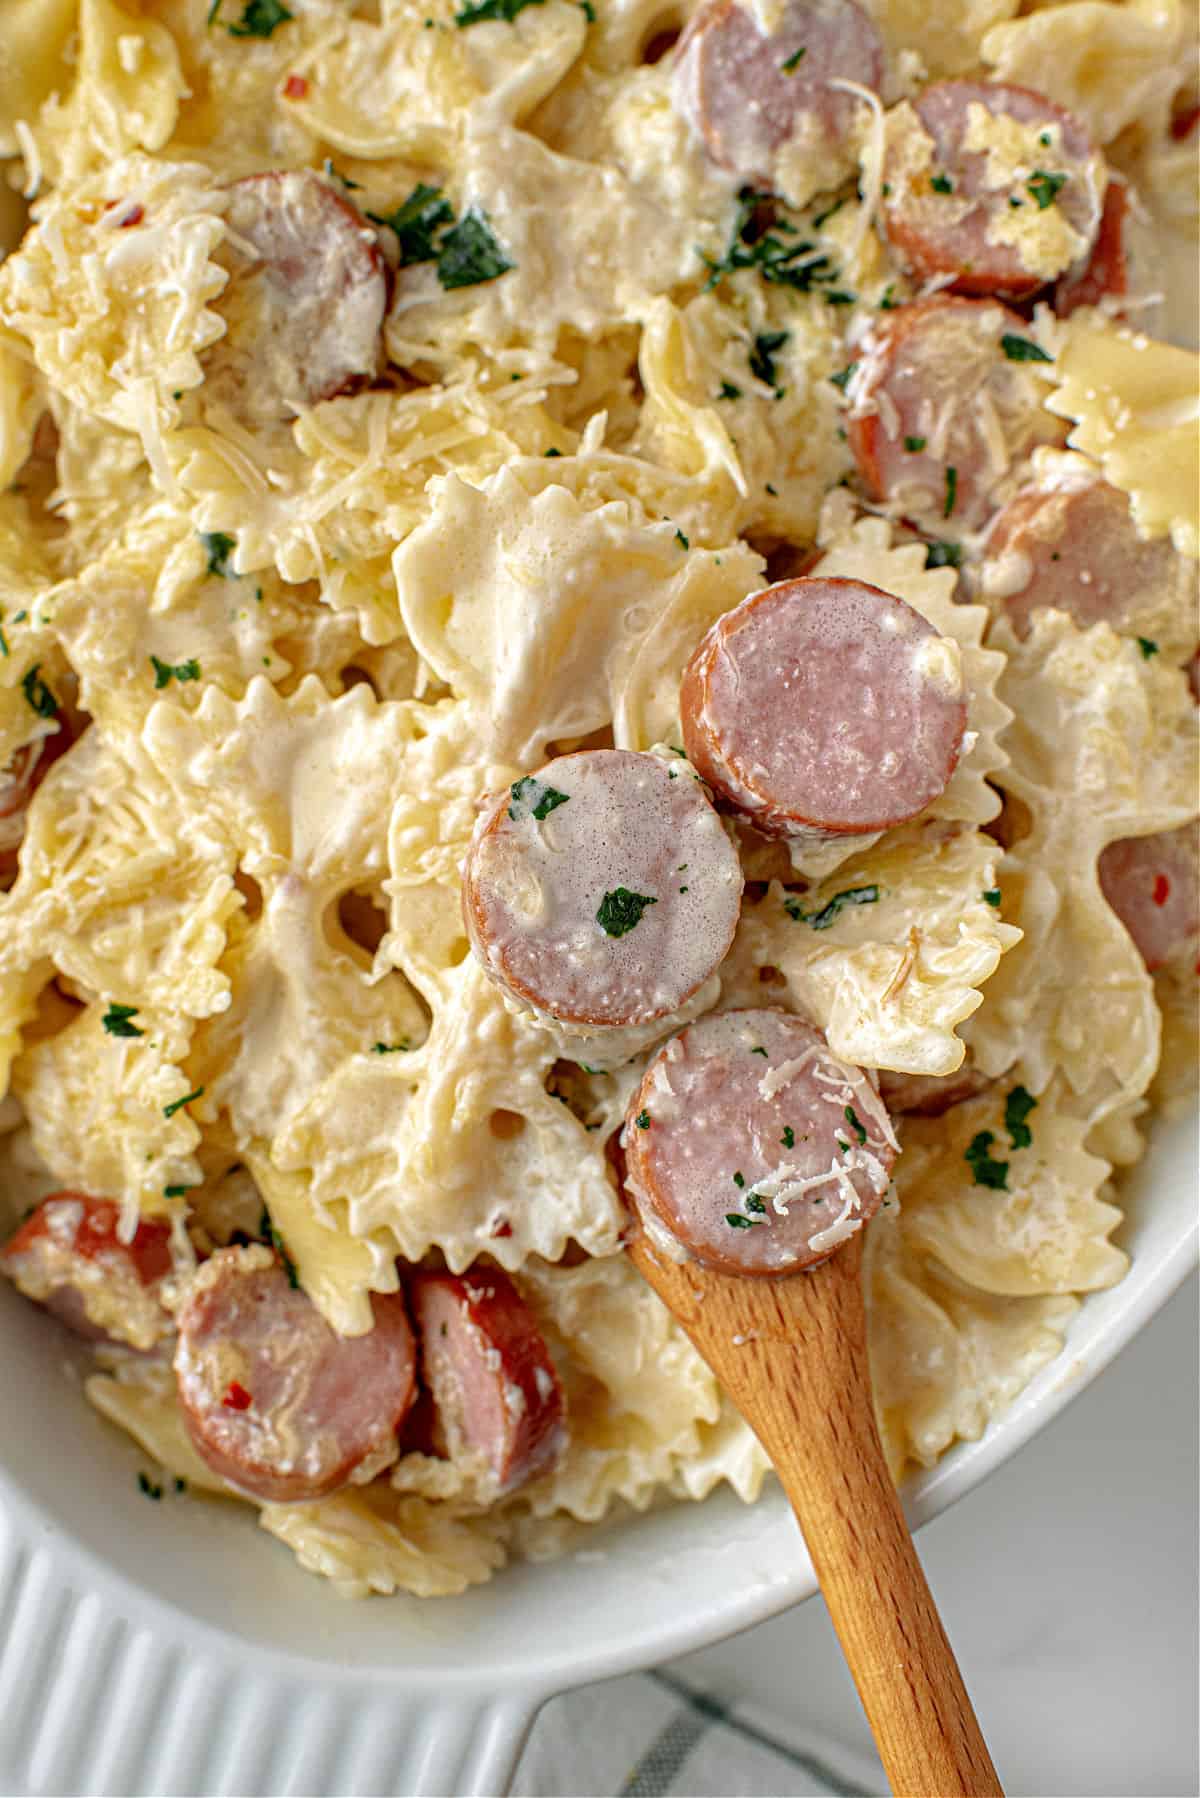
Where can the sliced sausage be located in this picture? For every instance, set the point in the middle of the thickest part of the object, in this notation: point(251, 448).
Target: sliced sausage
point(747, 91)
point(68, 1256)
point(305, 301)
point(824, 707)
point(930, 1095)
point(602, 890)
point(498, 1397)
point(19, 781)
point(275, 1402)
point(1153, 885)
point(1073, 544)
point(992, 188)
point(1120, 266)
point(753, 1146)
point(941, 413)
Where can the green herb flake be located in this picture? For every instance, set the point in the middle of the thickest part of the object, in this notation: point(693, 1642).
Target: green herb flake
point(951, 492)
point(470, 254)
point(149, 1488)
point(985, 1171)
point(180, 1483)
point(178, 1104)
point(889, 302)
point(118, 1021)
point(39, 695)
point(504, 10)
point(1148, 647)
point(642, 1120)
point(682, 540)
point(1044, 187)
point(823, 218)
point(218, 548)
point(836, 296)
point(739, 1179)
point(736, 1221)
point(729, 391)
point(400, 1048)
point(621, 911)
point(4, 650)
point(842, 377)
point(766, 346)
point(779, 254)
point(1017, 1108)
point(756, 1050)
point(788, 1139)
point(416, 223)
point(914, 445)
point(754, 1203)
point(843, 1146)
point(773, 491)
point(175, 1192)
point(259, 19)
point(793, 62)
point(332, 174)
point(826, 914)
point(941, 184)
point(532, 798)
point(943, 555)
point(166, 672)
point(213, 10)
point(267, 1230)
point(991, 897)
point(852, 1118)
point(588, 11)
point(1020, 349)
point(553, 452)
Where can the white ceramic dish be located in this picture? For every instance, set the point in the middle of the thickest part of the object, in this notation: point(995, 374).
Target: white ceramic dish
point(172, 1648)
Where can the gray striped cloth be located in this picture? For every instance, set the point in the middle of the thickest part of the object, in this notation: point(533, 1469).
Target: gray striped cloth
point(651, 1735)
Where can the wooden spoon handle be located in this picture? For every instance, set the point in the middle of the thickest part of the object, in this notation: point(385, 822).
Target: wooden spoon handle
point(817, 1423)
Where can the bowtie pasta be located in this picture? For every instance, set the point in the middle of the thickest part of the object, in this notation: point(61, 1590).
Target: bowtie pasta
point(394, 397)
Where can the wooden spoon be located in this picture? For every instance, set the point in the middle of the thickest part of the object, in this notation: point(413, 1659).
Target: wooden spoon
point(792, 1355)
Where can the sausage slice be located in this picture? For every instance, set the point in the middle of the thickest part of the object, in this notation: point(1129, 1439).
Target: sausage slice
point(20, 780)
point(942, 407)
point(68, 1256)
point(992, 187)
point(305, 301)
point(747, 91)
point(753, 1146)
point(824, 707)
point(1120, 266)
point(494, 1386)
point(602, 890)
point(1073, 545)
point(931, 1095)
point(1153, 885)
point(275, 1402)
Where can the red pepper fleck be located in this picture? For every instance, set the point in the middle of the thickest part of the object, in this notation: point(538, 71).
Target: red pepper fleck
point(295, 87)
point(1162, 889)
point(134, 216)
point(1182, 124)
point(237, 1398)
point(502, 1227)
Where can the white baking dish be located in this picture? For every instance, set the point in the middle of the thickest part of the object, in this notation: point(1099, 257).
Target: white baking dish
point(173, 1648)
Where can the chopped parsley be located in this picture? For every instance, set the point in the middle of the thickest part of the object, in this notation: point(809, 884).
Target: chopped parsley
point(166, 672)
point(754, 1203)
point(825, 915)
point(504, 10)
point(951, 491)
point(793, 62)
point(399, 1048)
point(118, 1021)
point(736, 1221)
point(739, 1179)
point(642, 1120)
point(842, 377)
point(852, 1118)
point(914, 445)
point(149, 1488)
point(588, 11)
point(762, 357)
point(797, 264)
point(470, 254)
point(1017, 1108)
point(175, 1192)
point(681, 539)
point(259, 18)
point(178, 1104)
point(729, 391)
point(621, 911)
point(788, 1139)
point(270, 1234)
point(332, 174)
point(218, 548)
point(1020, 349)
point(532, 798)
point(822, 218)
point(1148, 647)
point(889, 302)
point(941, 184)
point(416, 222)
point(985, 1171)
point(1044, 188)
point(837, 297)
point(991, 896)
point(3, 642)
point(943, 555)
point(553, 452)
point(39, 695)
point(756, 1050)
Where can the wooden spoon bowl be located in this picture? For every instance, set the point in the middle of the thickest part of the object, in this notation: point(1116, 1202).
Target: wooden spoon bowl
point(792, 1355)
